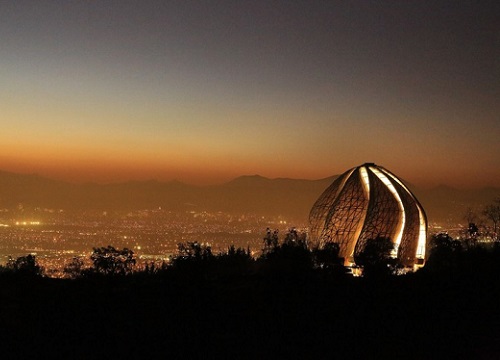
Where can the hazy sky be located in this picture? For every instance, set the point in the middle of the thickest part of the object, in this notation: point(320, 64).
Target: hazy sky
point(203, 91)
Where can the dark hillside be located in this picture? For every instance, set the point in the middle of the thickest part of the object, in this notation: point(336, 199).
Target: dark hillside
point(409, 317)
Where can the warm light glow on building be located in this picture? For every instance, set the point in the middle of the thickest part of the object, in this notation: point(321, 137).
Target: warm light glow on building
point(399, 232)
point(422, 237)
point(367, 202)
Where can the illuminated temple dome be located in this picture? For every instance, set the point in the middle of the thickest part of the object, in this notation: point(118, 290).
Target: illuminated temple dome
point(367, 202)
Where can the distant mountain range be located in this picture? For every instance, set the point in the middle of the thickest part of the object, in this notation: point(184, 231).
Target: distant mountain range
point(291, 198)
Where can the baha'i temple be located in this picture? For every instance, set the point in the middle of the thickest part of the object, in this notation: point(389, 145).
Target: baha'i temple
point(367, 202)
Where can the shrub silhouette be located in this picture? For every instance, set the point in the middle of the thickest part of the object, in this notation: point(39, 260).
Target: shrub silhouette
point(234, 262)
point(24, 265)
point(110, 261)
point(444, 254)
point(291, 257)
point(327, 257)
point(376, 258)
point(196, 261)
point(75, 268)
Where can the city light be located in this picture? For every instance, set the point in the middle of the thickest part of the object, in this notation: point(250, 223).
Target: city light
point(25, 223)
point(153, 234)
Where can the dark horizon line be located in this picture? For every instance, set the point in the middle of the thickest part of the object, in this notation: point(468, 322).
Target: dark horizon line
point(172, 181)
point(233, 180)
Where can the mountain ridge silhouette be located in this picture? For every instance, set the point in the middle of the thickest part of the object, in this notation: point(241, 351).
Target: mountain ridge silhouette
point(285, 197)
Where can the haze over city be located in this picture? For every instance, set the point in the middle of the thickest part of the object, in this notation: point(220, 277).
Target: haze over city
point(204, 92)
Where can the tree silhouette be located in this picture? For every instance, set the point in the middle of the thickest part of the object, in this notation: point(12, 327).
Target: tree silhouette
point(291, 257)
point(376, 258)
point(472, 234)
point(492, 212)
point(444, 253)
point(74, 268)
point(233, 262)
point(470, 215)
point(111, 261)
point(235, 254)
point(270, 240)
point(327, 257)
point(193, 261)
point(25, 265)
point(194, 251)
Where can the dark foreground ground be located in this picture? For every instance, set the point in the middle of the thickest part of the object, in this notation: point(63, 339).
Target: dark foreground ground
point(407, 317)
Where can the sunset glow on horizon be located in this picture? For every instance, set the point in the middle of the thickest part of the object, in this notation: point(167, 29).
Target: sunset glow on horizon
point(203, 92)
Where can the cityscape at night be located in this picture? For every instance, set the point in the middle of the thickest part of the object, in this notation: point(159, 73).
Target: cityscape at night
point(153, 234)
point(236, 213)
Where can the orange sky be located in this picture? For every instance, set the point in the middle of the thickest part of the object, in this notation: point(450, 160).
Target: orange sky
point(105, 93)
